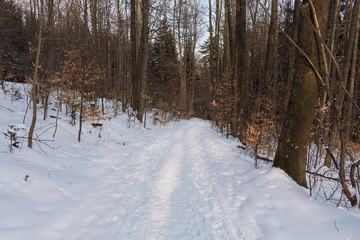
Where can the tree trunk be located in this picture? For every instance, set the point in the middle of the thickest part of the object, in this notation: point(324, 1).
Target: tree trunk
point(241, 71)
point(211, 51)
point(133, 56)
point(271, 51)
point(291, 154)
point(81, 113)
point(183, 85)
point(143, 57)
point(93, 16)
point(193, 64)
point(218, 18)
point(294, 36)
point(34, 83)
point(227, 38)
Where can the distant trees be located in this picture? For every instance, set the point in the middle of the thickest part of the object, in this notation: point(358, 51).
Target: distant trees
point(14, 52)
point(76, 83)
point(163, 69)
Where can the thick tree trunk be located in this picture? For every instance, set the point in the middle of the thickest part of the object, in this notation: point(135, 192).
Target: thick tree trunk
point(291, 154)
point(143, 58)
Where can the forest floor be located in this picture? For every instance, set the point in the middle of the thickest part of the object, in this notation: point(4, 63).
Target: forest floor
point(123, 181)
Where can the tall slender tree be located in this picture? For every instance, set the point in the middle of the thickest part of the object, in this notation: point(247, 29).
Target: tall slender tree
point(35, 78)
point(241, 67)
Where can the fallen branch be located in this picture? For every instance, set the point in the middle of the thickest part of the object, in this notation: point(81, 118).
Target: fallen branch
point(263, 158)
point(7, 108)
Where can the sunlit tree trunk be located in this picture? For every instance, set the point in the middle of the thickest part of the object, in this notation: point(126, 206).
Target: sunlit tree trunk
point(34, 83)
point(291, 154)
point(133, 57)
point(143, 58)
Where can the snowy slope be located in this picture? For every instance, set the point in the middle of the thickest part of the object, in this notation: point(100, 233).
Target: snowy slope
point(182, 181)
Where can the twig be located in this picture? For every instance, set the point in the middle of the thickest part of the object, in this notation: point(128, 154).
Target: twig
point(263, 158)
point(7, 108)
point(352, 173)
point(37, 139)
point(336, 226)
point(327, 147)
point(323, 176)
point(46, 130)
point(341, 196)
point(40, 147)
point(43, 126)
point(27, 108)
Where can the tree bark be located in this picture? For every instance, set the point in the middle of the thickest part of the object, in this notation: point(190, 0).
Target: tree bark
point(227, 39)
point(211, 51)
point(294, 36)
point(34, 83)
point(143, 58)
point(133, 57)
point(271, 50)
point(291, 154)
point(332, 23)
point(183, 84)
point(241, 71)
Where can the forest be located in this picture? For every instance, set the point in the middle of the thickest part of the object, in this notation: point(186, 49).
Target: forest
point(281, 76)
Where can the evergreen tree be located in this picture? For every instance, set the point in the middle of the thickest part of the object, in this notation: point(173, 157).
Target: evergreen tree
point(163, 66)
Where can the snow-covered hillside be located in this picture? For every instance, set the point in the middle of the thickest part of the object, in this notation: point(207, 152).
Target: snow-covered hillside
point(181, 181)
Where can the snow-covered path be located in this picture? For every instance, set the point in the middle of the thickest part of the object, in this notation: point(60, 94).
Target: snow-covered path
point(160, 187)
point(175, 197)
point(182, 181)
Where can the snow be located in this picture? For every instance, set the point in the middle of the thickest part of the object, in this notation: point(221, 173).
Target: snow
point(181, 181)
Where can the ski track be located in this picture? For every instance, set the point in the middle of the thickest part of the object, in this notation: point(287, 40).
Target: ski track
point(176, 187)
point(163, 192)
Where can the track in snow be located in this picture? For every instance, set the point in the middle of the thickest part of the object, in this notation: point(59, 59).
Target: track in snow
point(183, 181)
point(175, 198)
point(156, 187)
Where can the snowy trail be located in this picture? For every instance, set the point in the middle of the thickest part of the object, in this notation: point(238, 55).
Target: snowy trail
point(176, 199)
point(182, 181)
point(156, 187)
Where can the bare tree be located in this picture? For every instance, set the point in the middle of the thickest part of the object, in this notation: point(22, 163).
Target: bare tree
point(34, 82)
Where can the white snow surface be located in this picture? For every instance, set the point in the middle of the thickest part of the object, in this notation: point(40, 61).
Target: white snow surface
point(181, 181)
